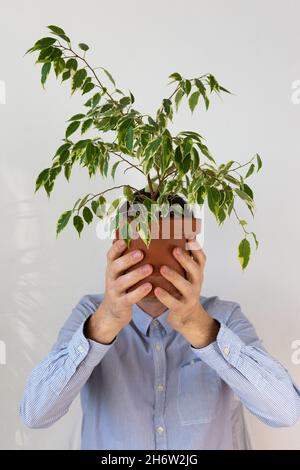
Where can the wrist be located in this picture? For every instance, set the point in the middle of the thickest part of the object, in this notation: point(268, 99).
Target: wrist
point(203, 330)
point(101, 328)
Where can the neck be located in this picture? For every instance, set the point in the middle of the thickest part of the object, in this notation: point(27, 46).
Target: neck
point(152, 306)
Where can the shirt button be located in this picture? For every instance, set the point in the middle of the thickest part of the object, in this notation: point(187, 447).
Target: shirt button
point(81, 349)
point(155, 323)
point(157, 347)
point(160, 429)
point(226, 350)
point(160, 387)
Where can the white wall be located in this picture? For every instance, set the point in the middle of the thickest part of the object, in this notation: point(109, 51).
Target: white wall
point(253, 48)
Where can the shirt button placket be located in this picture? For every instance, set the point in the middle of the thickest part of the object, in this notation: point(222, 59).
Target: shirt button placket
point(159, 384)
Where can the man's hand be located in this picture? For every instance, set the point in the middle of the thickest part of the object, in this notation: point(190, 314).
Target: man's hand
point(187, 316)
point(115, 311)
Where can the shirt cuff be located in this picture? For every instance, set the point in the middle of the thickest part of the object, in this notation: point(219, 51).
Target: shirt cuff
point(81, 348)
point(226, 349)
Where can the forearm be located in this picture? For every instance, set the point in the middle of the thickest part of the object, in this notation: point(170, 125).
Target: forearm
point(201, 329)
point(262, 384)
point(101, 329)
point(57, 380)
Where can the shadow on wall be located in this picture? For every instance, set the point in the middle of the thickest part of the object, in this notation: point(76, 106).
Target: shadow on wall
point(24, 320)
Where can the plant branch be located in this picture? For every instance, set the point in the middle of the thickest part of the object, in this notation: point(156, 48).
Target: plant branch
point(166, 175)
point(151, 187)
point(178, 86)
point(92, 71)
point(128, 168)
point(241, 166)
point(129, 163)
point(239, 220)
point(158, 176)
point(106, 191)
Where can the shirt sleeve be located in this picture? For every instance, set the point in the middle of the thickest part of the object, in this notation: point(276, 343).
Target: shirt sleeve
point(56, 381)
point(263, 385)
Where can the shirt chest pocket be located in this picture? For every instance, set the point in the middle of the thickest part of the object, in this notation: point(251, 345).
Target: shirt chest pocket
point(198, 394)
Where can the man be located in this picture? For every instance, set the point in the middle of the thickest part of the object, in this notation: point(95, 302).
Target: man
point(159, 372)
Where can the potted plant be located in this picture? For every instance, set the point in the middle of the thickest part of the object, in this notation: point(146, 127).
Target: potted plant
point(173, 165)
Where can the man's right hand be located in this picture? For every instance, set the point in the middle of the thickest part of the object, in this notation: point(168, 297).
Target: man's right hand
point(115, 311)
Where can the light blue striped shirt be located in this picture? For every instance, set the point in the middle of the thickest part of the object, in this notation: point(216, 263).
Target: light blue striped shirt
point(150, 389)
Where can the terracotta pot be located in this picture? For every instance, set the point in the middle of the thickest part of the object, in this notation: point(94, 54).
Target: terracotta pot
point(160, 249)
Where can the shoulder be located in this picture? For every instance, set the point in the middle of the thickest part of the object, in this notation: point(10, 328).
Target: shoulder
point(89, 303)
point(84, 307)
point(219, 308)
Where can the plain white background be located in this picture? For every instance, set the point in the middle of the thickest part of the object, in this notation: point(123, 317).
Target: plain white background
point(253, 49)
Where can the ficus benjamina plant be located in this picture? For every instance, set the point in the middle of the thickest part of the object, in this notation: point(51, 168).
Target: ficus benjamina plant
point(178, 164)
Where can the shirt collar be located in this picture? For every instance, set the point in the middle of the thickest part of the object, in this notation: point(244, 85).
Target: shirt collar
point(142, 320)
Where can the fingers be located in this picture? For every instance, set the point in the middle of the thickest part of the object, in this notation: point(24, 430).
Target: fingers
point(115, 250)
point(191, 266)
point(118, 302)
point(167, 299)
point(126, 261)
point(122, 263)
point(127, 280)
point(137, 294)
point(181, 284)
point(192, 244)
point(200, 257)
point(197, 252)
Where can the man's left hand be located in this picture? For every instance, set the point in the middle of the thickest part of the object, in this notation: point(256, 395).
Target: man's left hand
point(186, 314)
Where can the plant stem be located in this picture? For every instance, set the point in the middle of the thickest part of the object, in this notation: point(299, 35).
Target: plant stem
point(178, 86)
point(166, 175)
point(106, 191)
point(241, 166)
point(236, 214)
point(92, 70)
point(129, 163)
point(158, 188)
point(151, 187)
point(128, 168)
